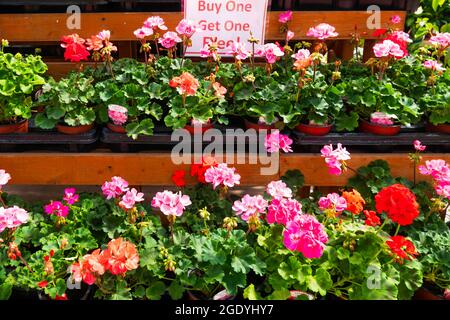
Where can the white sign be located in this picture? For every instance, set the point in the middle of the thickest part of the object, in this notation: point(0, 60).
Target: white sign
point(225, 21)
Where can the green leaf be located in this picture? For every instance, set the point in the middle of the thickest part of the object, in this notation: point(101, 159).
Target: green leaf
point(321, 282)
point(5, 291)
point(250, 293)
point(45, 123)
point(155, 290)
point(347, 122)
point(176, 290)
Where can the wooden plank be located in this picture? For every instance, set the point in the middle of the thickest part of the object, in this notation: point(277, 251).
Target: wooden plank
point(52, 26)
point(95, 168)
point(316, 172)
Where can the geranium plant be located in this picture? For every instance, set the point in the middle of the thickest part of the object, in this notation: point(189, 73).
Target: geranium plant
point(20, 77)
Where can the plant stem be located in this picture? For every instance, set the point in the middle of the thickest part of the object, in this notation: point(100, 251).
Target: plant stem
point(396, 230)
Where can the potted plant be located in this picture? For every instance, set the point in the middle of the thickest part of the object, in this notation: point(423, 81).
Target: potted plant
point(69, 104)
point(21, 76)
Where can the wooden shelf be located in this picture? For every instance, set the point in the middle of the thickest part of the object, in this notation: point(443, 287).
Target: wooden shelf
point(154, 169)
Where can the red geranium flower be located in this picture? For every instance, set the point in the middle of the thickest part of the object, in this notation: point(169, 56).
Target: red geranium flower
point(379, 32)
point(200, 169)
point(178, 178)
point(43, 284)
point(371, 218)
point(75, 48)
point(62, 297)
point(399, 203)
point(402, 248)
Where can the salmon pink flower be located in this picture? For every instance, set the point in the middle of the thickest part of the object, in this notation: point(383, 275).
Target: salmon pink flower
point(322, 31)
point(4, 178)
point(114, 188)
point(12, 217)
point(91, 266)
point(219, 90)
point(306, 235)
point(401, 248)
point(334, 202)
point(104, 35)
point(418, 146)
point(155, 22)
point(283, 210)
point(186, 84)
point(171, 204)
point(118, 114)
point(169, 39)
point(187, 28)
point(130, 198)
point(250, 206)
point(94, 43)
point(275, 141)
point(122, 256)
point(271, 52)
point(433, 65)
point(70, 196)
point(355, 202)
point(222, 175)
point(285, 17)
point(239, 51)
point(279, 189)
point(56, 208)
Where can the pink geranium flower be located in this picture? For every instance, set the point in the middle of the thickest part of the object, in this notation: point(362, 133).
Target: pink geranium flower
point(285, 17)
point(171, 203)
point(143, 32)
point(130, 198)
point(275, 141)
point(418, 146)
point(283, 210)
point(56, 208)
point(186, 84)
point(335, 158)
point(306, 235)
point(322, 31)
point(396, 19)
point(440, 171)
point(187, 28)
point(209, 51)
point(169, 39)
point(381, 118)
point(12, 217)
point(239, 51)
point(301, 54)
point(118, 114)
point(222, 175)
point(70, 196)
point(250, 206)
point(433, 65)
point(155, 22)
point(279, 189)
point(271, 52)
point(289, 35)
point(333, 201)
point(388, 48)
point(114, 188)
point(441, 40)
point(4, 178)
point(104, 35)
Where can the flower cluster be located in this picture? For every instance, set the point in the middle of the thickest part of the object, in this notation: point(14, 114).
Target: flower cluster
point(433, 65)
point(130, 198)
point(399, 203)
point(169, 40)
point(285, 17)
point(75, 50)
point(186, 84)
point(4, 178)
point(283, 210)
point(322, 31)
point(118, 114)
point(187, 28)
point(222, 175)
point(12, 217)
point(250, 206)
point(151, 25)
point(171, 204)
point(381, 118)
point(239, 51)
point(335, 158)
point(274, 141)
point(209, 51)
point(389, 49)
point(371, 218)
point(440, 172)
point(114, 188)
point(333, 203)
point(119, 257)
point(355, 202)
point(199, 169)
point(401, 248)
point(60, 209)
point(279, 189)
point(306, 235)
point(271, 52)
point(441, 40)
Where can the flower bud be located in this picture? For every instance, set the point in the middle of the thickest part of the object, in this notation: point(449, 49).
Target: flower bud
point(204, 214)
point(229, 223)
point(5, 43)
point(169, 265)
